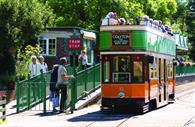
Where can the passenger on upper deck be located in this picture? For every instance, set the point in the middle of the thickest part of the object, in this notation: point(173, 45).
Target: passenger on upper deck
point(150, 21)
point(122, 21)
point(161, 26)
point(156, 24)
point(138, 20)
point(169, 30)
point(110, 19)
point(146, 20)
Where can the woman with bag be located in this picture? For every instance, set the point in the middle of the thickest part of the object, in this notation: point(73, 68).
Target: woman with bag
point(54, 92)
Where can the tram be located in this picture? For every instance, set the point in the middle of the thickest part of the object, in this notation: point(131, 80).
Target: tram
point(137, 70)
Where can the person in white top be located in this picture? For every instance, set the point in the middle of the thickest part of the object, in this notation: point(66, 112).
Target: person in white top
point(34, 67)
point(84, 59)
point(44, 66)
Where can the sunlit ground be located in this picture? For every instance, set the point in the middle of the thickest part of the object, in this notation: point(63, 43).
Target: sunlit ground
point(1, 122)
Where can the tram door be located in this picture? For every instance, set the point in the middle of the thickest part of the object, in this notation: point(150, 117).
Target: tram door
point(165, 79)
point(161, 79)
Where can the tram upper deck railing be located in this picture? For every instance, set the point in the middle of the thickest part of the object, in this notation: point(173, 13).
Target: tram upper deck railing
point(135, 25)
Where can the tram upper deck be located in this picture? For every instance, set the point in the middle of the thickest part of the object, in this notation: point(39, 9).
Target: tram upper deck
point(136, 38)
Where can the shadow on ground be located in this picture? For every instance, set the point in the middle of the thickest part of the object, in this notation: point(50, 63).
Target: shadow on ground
point(100, 116)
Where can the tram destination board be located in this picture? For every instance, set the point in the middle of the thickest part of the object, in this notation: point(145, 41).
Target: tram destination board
point(120, 39)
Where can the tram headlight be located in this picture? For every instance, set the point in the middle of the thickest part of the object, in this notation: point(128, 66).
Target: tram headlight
point(121, 94)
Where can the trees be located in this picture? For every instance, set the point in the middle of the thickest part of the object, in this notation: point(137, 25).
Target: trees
point(160, 9)
point(20, 22)
point(88, 13)
point(190, 21)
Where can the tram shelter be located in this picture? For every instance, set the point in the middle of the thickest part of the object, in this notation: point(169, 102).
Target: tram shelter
point(55, 43)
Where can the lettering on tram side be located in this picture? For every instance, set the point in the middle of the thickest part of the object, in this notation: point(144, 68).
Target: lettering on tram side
point(120, 39)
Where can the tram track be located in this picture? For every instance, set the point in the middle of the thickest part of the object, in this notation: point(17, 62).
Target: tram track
point(122, 122)
point(189, 122)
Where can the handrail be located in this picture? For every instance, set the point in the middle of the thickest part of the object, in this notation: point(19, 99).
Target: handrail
point(36, 90)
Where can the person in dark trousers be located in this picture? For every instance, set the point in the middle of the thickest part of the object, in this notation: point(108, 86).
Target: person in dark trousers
point(138, 20)
point(54, 92)
point(62, 82)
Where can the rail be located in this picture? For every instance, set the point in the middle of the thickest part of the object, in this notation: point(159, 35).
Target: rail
point(185, 70)
point(3, 108)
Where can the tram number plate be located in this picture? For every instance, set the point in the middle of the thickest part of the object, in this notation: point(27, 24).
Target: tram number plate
point(120, 39)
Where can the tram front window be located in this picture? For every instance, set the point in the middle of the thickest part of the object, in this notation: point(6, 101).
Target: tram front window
point(121, 69)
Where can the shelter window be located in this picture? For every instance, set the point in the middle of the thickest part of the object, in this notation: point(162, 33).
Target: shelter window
point(52, 47)
point(43, 45)
point(48, 46)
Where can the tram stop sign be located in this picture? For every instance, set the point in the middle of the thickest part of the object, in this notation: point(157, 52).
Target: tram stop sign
point(74, 43)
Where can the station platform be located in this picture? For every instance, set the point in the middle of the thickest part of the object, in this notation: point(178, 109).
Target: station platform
point(83, 117)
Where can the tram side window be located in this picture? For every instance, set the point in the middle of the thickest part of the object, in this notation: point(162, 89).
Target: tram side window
point(106, 71)
point(154, 69)
point(137, 71)
point(170, 69)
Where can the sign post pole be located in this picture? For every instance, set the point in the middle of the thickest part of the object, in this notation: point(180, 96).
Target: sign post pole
point(74, 45)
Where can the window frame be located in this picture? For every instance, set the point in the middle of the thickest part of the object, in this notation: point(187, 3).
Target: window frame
point(143, 69)
point(155, 67)
point(170, 66)
point(112, 68)
point(47, 46)
point(110, 59)
point(103, 60)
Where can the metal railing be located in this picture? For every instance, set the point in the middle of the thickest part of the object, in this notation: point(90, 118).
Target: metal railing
point(33, 94)
point(185, 70)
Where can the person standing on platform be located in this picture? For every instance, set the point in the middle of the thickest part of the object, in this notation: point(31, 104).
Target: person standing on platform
point(84, 59)
point(54, 92)
point(34, 67)
point(62, 82)
point(44, 66)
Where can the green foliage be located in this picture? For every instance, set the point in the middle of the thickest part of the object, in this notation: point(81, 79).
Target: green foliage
point(179, 17)
point(160, 9)
point(88, 13)
point(24, 59)
point(190, 21)
point(21, 22)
